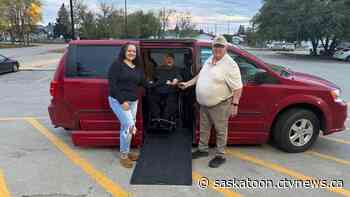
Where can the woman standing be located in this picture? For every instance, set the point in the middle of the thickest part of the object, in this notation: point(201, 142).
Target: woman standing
point(124, 78)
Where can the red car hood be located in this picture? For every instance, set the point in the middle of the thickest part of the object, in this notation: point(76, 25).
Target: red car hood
point(313, 80)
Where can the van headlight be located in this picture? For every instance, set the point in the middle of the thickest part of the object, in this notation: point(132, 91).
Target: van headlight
point(336, 95)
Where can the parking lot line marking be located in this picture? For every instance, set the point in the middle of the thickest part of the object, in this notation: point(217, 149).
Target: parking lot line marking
point(226, 192)
point(41, 63)
point(281, 169)
point(8, 119)
point(4, 192)
point(328, 157)
point(43, 79)
point(336, 140)
point(20, 118)
point(98, 176)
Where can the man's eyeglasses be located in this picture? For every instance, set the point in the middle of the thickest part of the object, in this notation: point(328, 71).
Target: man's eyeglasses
point(219, 46)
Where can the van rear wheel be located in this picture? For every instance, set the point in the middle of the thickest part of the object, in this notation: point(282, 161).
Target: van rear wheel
point(296, 130)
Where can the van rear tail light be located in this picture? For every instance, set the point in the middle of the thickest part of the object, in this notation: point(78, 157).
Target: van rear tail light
point(54, 88)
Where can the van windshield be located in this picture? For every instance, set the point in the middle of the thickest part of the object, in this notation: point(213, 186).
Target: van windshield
point(280, 70)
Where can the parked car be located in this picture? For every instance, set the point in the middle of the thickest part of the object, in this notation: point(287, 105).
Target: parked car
point(8, 65)
point(343, 45)
point(280, 46)
point(343, 54)
point(319, 50)
point(288, 107)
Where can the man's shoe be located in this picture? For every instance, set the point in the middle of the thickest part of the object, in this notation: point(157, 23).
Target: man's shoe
point(126, 162)
point(217, 161)
point(198, 154)
point(133, 156)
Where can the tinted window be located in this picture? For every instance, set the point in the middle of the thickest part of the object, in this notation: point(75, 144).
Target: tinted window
point(2, 58)
point(205, 54)
point(90, 61)
point(247, 69)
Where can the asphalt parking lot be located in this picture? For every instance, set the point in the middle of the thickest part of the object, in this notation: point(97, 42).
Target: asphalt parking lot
point(38, 160)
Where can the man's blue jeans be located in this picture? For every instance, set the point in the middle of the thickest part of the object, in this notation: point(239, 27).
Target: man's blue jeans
point(127, 120)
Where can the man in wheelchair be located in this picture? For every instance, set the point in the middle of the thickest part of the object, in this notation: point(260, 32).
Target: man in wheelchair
point(163, 94)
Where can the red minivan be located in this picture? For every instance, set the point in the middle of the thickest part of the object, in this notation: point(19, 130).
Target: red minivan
point(277, 103)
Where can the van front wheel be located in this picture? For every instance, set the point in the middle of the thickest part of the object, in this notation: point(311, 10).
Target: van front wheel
point(296, 130)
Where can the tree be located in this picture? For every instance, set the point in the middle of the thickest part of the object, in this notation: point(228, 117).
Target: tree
point(184, 25)
point(88, 28)
point(297, 20)
point(79, 9)
point(3, 20)
point(62, 26)
point(143, 25)
point(164, 17)
point(19, 18)
point(241, 30)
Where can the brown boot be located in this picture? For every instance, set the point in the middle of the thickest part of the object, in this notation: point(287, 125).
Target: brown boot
point(133, 156)
point(126, 162)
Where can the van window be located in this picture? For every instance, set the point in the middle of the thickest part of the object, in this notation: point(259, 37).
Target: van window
point(205, 54)
point(247, 69)
point(90, 61)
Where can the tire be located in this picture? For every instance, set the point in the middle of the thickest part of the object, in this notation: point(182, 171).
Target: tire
point(295, 123)
point(15, 67)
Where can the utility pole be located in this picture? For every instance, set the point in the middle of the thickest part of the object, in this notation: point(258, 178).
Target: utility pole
point(72, 19)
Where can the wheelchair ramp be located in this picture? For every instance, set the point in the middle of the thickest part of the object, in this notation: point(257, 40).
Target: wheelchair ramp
point(165, 159)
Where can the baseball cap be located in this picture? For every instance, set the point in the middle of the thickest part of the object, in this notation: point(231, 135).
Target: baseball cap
point(220, 40)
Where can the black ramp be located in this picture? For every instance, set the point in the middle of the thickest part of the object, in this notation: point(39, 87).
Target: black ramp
point(165, 159)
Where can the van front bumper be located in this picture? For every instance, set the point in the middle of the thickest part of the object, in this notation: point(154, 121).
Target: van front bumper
point(340, 114)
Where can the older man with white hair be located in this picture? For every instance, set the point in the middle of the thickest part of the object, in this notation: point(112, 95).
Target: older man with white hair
point(218, 90)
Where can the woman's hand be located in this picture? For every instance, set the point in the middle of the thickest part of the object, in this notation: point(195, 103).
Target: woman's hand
point(175, 81)
point(126, 106)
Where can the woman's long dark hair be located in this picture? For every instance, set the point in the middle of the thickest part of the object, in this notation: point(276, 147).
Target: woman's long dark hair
point(122, 55)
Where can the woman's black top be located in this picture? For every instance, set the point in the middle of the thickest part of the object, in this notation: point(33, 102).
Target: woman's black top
point(124, 81)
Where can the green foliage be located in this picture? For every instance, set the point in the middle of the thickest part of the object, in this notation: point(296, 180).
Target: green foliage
point(184, 26)
point(18, 18)
point(109, 22)
point(298, 20)
point(241, 30)
point(143, 25)
point(62, 26)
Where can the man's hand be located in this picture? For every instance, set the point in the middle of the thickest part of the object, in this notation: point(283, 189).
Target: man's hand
point(183, 85)
point(125, 106)
point(234, 111)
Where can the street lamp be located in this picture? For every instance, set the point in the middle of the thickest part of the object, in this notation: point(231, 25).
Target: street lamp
point(72, 19)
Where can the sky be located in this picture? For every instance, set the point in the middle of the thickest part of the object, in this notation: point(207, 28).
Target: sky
point(227, 14)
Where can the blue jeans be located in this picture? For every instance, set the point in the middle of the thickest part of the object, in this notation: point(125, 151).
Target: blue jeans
point(127, 120)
